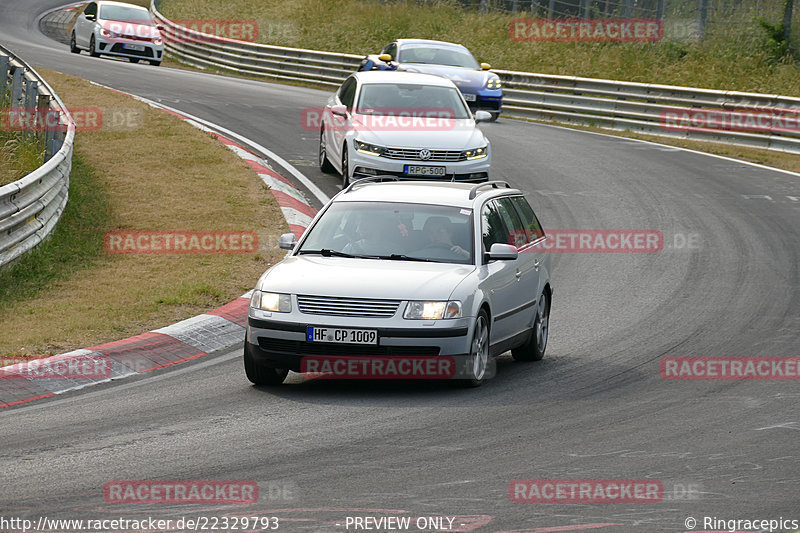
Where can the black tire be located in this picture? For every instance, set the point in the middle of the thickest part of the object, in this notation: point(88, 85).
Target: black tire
point(155, 63)
point(534, 349)
point(93, 48)
point(133, 59)
point(260, 374)
point(73, 45)
point(345, 168)
point(324, 164)
point(477, 364)
point(495, 116)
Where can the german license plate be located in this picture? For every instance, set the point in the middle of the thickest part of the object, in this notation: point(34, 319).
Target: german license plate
point(341, 335)
point(470, 97)
point(420, 170)
point(136, 47)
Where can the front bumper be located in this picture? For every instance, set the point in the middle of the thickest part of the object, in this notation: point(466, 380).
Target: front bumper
point(283, 344)
point(117, 47)
point(364, 165)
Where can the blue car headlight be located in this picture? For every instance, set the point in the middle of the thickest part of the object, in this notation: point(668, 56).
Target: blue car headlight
point(494, 83)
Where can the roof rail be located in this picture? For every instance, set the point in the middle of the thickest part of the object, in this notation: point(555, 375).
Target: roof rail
point(495, 184)
point(371, 179)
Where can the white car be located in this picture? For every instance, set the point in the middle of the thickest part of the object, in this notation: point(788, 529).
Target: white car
point(117, 29)
point(408, 125)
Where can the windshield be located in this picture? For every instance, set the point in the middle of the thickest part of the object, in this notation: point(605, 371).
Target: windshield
point(411, 100)
point(389, 230)
point(125, 14)
point(436, 55)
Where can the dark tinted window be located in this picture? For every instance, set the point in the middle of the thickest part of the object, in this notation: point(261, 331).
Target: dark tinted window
point(533, 230)
point(91, 9)
point(516, 233)
point(391, 50)
point(492, 228)
point(347, 93)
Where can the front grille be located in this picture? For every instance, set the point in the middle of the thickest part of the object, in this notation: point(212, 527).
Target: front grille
point(361, 350)
point(147, 52)
point(138, 38)
point(358, 307)
point(412, 154)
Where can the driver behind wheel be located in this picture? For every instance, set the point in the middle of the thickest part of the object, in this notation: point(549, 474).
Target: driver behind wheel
point(438, 231)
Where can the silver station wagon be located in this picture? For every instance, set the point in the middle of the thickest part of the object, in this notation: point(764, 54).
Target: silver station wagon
point(414, 280)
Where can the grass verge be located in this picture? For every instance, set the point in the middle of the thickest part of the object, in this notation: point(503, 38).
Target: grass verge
point(734, 56)
point(142, 170)
point(19, 155)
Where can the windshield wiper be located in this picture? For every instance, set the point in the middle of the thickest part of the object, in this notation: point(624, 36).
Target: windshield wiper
point(326, 252)
point(403, 257)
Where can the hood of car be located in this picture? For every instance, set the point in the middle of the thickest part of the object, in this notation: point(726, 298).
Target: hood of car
point(430, 133)
point(364, 278)
point(128, 28)
point(464, 78)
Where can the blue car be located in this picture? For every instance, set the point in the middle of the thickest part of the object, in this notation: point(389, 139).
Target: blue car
point(481, 89)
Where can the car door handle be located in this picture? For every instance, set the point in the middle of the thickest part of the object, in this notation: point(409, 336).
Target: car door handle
point(536, 264)
point(518, 274)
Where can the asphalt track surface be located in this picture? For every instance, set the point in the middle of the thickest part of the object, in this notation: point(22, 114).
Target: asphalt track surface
point(595, 408)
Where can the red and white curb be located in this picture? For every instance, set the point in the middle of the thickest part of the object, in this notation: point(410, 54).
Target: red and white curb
point(186, 340)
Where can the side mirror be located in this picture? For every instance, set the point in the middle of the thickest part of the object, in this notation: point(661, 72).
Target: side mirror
point(485, 66)
point(161, 28)
point(503, 252)
point(287, 241)
point(339, 110)
point(482, 116)
point(385, 57)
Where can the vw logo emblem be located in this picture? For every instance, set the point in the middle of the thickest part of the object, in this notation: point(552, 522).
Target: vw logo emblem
point(425, 154)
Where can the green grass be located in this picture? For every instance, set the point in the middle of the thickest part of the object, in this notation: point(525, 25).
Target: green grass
point(72, 246)
point(734, 56)
point(19, 155)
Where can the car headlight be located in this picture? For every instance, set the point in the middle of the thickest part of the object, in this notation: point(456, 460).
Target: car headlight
point(108, 34)
point(477, 153)
point(157, 41)
point(271, 301)
point(494, 83)
point(435, 310)
point(370, 149)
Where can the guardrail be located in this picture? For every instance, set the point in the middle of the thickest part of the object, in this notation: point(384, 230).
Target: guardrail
point(31, 206)
point(618, 105)
point(295, 64)
point(57, 23)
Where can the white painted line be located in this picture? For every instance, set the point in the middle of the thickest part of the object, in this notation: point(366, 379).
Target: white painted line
point(278, 185)
point(724, 158)
point(293, 216)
